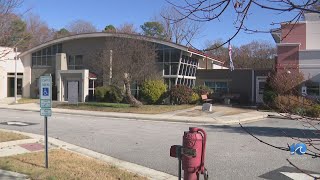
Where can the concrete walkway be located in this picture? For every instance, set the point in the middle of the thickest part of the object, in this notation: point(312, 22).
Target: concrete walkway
point(179, 116)
point(35, 143)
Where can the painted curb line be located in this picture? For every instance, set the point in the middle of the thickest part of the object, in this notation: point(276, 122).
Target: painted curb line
point(128, 166)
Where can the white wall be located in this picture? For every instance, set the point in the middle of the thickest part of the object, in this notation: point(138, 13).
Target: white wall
point(7, 65)
point(214, 66)
point(309, 64)
point(313, 35)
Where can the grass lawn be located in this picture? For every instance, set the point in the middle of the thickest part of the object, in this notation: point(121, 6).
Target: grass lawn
point(28, 100)
point(9, 136)
point(63, 165)
point(125, 108)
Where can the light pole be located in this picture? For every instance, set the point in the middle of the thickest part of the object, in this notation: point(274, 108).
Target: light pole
point(15, 75)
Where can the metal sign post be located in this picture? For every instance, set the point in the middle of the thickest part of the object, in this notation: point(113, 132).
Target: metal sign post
point(45, 105)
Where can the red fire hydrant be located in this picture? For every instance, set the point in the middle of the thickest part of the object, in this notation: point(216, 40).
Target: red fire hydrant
point(192, 154)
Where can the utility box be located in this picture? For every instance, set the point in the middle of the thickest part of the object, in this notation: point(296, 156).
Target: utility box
point(227, 101)
point(207, 107)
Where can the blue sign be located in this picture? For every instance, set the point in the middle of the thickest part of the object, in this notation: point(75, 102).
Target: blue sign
point(299, 148)
point(45, 91)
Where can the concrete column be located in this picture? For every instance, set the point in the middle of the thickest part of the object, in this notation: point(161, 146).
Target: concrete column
point(27, 63)
point(61, 64)
point(110, 73)
point(85, 87)
point(59, 84)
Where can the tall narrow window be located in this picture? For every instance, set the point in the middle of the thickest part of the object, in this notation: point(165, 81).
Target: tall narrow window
point(75, 62)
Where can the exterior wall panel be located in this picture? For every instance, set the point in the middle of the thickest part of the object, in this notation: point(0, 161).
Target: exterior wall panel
point(294, 33)
point(288, 56)
point(239, 81)
point(310, 64)
point(313, 35)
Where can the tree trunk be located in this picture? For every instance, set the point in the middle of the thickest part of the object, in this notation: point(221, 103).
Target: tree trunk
point(131, 99)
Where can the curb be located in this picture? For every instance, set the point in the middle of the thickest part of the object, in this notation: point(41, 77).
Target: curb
point(246, 120)
point(161, 119)
point(12, 175)
point(124, 165)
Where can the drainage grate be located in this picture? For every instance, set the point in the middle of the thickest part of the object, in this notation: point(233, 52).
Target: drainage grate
point(17, 123)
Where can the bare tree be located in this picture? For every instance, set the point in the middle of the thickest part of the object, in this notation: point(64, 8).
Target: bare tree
point(220, 53)
point(254, 55)
point(127, 28)
point(286, 81)
point(81, 26)
point(207, 10)
point(38, 30)
point(7, 17)
point(61, 33)
point(183, 31)
point(132, 61)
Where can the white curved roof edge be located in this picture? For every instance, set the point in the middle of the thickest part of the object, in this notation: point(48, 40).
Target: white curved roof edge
point(121, 35)
point(103, 34)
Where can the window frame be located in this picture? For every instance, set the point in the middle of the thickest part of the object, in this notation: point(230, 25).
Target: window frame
point(217, 88)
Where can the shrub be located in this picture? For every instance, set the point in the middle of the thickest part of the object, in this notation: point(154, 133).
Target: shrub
point(300, 111)
point(269, 97)
point(100, 93)
point(113, 94)
point(181, 94)
point(313, 111)
point(195, 98)
point(290, 103)
point(152, 91)
point(285, 82)
point(108, 94)
point(202, 89)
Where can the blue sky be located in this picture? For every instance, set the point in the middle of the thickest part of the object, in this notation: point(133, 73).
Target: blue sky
point(58, 13)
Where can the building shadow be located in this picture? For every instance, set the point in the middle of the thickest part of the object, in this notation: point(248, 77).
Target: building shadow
point(266, 131)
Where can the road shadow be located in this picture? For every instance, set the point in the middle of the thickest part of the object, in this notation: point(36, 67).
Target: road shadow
point(266, 131)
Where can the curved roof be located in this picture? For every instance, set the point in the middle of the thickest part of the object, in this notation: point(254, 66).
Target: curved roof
point(120, 35)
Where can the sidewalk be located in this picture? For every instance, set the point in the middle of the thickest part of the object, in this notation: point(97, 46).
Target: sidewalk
point(178, 116)
point(35, 143)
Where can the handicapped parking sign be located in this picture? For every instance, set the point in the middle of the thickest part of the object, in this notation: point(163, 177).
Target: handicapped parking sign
point(45, 91)
point(45, 87)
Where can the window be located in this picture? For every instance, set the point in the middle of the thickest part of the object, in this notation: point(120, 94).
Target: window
point(217, 86)
point(75, 62)
point(174, 68)
point(167, 55)
point(45, 56)
point(12, 74)
point(181, 69)
point(313, 89)
point(166, 69)
point(175, 55)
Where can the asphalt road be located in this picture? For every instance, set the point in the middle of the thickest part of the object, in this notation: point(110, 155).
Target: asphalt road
point(231, 152)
